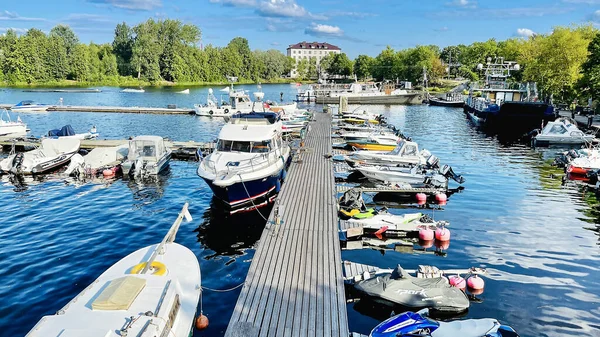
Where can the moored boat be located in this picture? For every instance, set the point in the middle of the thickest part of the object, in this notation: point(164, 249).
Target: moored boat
point(133, 90)
point(52, 154)
point(29, 106)
point(366, 93)
point(101, 160)
point(11, 128)
point(68, 132)
point(147, 155)
point(153, 291)
point(406, 153)
point(248, 165)
point(561, 131)
point(450, 99)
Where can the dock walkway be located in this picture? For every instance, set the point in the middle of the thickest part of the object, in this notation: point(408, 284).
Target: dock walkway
point(295, 285)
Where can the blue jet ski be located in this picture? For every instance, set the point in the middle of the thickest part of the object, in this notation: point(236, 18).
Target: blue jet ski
point(420, 325)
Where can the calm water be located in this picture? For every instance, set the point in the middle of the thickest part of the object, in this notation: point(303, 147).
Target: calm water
point(538, 239)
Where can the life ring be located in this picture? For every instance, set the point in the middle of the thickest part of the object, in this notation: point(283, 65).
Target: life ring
point(226, 111)
point(210, 112)
point(159, 268)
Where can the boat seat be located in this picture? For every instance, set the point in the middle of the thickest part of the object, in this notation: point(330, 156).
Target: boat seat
point(468, 328)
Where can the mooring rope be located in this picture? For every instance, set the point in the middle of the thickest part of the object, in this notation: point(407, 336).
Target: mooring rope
point(224, 290)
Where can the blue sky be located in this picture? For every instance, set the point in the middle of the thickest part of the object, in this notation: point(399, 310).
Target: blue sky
point(358, 27)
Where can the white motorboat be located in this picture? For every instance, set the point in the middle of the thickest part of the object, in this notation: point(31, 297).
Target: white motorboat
point(360, 135)
point(185, 91)
point(51, 154)
point(406, 153)
point(29, 106)
point(289, 108)
point(132, 90)
point(68, 132)
point(9, 127)
point(97, 161)
point(561, 131)
point(239, 101)
point(153, 291)
point(413, 177)
point(248, 165)
point(148, 155)
point(396, 225)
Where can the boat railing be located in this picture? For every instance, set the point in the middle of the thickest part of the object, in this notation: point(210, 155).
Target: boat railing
point(257, 162)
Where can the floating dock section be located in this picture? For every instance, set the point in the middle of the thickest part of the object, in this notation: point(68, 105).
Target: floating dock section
point(295, 285)
point(115, 109)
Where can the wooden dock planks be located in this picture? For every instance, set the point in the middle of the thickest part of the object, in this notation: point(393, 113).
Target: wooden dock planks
point(295, 285)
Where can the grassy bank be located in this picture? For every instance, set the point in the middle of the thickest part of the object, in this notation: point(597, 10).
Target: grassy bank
point(133, 82)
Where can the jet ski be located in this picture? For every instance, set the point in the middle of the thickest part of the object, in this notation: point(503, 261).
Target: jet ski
point(395, 226)
point(418, 324)
point(399, 288)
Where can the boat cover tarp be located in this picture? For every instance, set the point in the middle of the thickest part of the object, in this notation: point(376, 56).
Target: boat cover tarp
point(66, 130)
point(119, 294)
point(403, 289)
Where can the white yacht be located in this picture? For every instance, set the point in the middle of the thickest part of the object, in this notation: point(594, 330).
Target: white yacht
point(148, 155)
point(29, 106)
point(406, 153)
point(248, 165)
point(239, 101)
point(153, 291)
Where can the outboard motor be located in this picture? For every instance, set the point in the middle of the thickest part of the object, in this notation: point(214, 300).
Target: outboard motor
point(592, 176)
point(17, 163)
point(447, 172)
point(439, 181)
point(432, 162)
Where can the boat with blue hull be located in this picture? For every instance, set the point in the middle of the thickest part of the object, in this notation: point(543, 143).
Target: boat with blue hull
point(506, 107)
point(249, 163)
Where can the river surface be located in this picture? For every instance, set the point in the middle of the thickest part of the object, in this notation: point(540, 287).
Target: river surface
point(538, 239)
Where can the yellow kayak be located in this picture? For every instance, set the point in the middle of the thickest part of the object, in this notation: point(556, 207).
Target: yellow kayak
point(359, 121)
point(372, 146)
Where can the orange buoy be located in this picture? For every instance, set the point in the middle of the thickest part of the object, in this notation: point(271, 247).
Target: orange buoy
point(201, 322)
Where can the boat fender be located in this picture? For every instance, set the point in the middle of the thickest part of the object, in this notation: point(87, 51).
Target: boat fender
point(426, 234)
point(441, 198)
point(421, 198)
point(475, 284)
point(419, 97)
point(442, 234)
point(226, 111)
point(201, 322)
point(159, 268)
point(457, 281)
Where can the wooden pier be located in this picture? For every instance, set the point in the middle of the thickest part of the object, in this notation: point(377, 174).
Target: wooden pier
point(295, 285)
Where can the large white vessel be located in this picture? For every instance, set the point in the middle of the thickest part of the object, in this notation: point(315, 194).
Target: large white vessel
point(239, 101)
point(362, 93)
point(153, 291)
point(248, 165)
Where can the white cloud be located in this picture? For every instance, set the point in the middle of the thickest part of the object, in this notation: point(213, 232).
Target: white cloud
point(358, 15)
point(525, 32)
point(442, 29)
point(144, 5)
point(275, 44)
point(285, 9)
point(13, 16)
point(235, 3)
point(463, 3)
point(324, 30)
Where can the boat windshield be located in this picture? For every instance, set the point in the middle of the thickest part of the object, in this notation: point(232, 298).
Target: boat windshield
point(558, 129)
point(240, 146)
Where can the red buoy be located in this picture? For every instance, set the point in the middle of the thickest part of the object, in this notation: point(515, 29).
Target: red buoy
point(441, 198)
point(475, 285)
point(421, 198)
point(442, 234)
point(442, 245)
point(201, 322)
point(426, 234)
point(457, 281)
point(108, 173)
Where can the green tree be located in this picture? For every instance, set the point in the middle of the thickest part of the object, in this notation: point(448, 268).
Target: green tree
point(123, 48)
point(312, 68)
point(340, 65)
point(80, 70)
point(362, 66)
point(146, 51)
point(302, 69)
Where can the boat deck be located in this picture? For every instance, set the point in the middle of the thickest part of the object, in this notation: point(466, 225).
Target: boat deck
point(295, 285)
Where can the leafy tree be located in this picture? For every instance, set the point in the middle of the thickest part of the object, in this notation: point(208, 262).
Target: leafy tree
point(340, 65)
point(312, 68)
point(362, 66)
point(302, 69)
point(123, 48)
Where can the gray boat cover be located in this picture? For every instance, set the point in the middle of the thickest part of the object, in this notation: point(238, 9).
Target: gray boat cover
point(405, 290)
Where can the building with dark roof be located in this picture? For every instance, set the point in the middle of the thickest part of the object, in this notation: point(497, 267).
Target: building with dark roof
point(308, 50)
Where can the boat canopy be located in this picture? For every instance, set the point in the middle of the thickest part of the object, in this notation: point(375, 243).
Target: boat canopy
point(66, 130)
point(406, 148)
point(255, 118)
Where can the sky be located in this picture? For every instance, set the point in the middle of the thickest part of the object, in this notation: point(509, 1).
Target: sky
point(356, 26)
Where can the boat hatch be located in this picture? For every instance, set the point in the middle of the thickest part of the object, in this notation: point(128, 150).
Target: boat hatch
point(119, 294)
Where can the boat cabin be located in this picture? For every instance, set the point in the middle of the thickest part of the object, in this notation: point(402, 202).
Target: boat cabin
point(150, 148)
point(249, 138)
point(562, 127)
point(406, 148)
point(255, 118)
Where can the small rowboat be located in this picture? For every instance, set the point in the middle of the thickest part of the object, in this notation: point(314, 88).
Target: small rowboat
point(153, 291)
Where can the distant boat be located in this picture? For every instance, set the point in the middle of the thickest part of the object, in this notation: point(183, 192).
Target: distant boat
point(11, 128)
point(51, 154)
point(186, 91)
point(29, 106)
point(140, 90)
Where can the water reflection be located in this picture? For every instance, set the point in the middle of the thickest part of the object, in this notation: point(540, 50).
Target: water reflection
point(147, 190)
point(230, 234)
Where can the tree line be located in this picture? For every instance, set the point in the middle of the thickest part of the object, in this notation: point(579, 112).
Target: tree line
point(564, 63)
point(155, 51)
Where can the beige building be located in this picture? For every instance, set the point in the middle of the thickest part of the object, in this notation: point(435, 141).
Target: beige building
point(306, 50)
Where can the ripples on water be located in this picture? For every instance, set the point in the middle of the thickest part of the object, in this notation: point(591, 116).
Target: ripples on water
point(538, 239)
